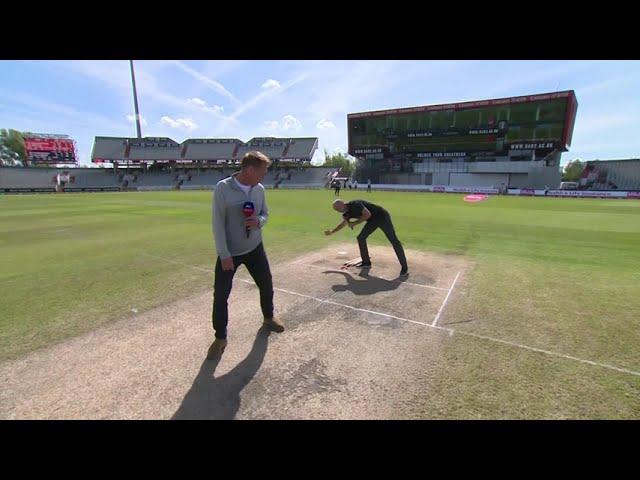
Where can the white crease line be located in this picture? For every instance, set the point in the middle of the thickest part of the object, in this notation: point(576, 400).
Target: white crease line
point(349, 306)
point(435, 321)
point(474, 335)
point(451, 331)
point(548, 352)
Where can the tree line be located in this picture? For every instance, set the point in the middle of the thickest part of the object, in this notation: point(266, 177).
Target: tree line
point(12, 148)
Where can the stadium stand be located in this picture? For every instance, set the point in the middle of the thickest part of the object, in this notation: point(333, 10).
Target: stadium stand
point(160, 163)
point(44, 179)
point(153, 149)
point(611, 175)
point(16, 177)
point(210, 149)
point(93, 178)
point(109, 148)
point(210, 177)
point(213, 150)
point(299, 147)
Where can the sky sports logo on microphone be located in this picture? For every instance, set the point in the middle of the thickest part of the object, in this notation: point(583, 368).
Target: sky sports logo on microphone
point(248, 209)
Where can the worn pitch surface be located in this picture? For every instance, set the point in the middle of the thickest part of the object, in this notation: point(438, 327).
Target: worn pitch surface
point(352, 350)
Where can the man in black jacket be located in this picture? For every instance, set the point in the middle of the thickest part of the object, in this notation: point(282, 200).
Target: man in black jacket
point(375, 216)
point(336, 187)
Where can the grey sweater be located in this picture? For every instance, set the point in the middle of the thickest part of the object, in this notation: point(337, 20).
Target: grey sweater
point(228, 219)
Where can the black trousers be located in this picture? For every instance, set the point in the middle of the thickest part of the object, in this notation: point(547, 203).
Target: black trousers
point(386, 225)
point(258, 266)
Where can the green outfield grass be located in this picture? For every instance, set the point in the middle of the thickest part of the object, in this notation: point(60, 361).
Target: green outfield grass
point(556, 274)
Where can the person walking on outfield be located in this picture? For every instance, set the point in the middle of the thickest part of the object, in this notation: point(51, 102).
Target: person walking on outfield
point(369, 185)
point(336, 187)
point(375, 216)
point(238, 215)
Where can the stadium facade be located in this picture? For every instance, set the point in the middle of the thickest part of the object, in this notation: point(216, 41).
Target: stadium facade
point(507, 142)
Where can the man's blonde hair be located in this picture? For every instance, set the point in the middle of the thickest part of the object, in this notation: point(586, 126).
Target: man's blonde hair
point(254, 159)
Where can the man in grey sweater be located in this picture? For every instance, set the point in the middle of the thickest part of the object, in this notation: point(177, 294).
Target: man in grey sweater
point(239, 213)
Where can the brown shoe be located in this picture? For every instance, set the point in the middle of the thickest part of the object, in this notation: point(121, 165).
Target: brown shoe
point(274, 324)
point(216, 348)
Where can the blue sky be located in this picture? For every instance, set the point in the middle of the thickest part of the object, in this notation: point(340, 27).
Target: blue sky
point(244, 99)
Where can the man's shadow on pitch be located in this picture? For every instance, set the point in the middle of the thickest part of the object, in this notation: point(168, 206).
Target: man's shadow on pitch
point(218, 398)
point(368, 286)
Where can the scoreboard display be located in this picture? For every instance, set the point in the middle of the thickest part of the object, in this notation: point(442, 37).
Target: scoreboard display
point(47, 148)
point(489, 127)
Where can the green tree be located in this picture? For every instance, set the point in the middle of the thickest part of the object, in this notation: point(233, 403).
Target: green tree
point(8, 157)
point(339, 160)
point(14, 141)
point(573, 170)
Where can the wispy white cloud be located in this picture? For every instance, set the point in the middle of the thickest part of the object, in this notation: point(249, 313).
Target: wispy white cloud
point(261, 97)
point(179, 123)
point(289, 122)
point(116, 74)
point(271, 83)
point(214, 85)
point(288, 125)
point(197, 101)
point(220, 68)
point(215, 109)
point(325, 124)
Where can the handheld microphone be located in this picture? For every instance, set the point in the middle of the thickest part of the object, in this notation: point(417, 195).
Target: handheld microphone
point(248, 209)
